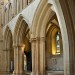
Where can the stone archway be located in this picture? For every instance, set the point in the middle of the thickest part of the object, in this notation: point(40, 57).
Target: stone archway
point(54, 63)
point(21, 44)
point(8, 51)
point(40, 21)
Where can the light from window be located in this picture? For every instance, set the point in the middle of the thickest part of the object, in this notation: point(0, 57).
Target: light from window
point(58, 43)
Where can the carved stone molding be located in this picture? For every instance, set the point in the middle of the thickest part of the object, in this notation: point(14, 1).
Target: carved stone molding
point(42, 39)
point(32, 39)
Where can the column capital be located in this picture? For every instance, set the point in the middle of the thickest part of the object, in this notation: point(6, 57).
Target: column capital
point(5, 50)
point(18, 45)
point(32, 39)
point(42, 38)
point(38, 39)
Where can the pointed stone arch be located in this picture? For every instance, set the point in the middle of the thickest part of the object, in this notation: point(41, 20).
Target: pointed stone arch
point(6, 35)
point(8, 44)
point(20, 32)
point(41, 18)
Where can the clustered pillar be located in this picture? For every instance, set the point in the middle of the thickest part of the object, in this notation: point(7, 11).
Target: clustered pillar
point(33, 44)
point(42, 56)
point(18, 60)
point(38, 56)
point(6, 64)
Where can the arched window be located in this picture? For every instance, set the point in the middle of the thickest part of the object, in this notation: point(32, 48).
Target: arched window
point(57, 40)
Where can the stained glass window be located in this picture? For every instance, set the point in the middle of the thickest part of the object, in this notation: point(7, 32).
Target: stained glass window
point(58, 43)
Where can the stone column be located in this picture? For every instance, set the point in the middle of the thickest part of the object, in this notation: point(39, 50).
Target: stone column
point(4, 61)
point(29, 1)
point(13, 3)
point(37, 57)
point(42, 56)
point(15, 7)
point(1, 44)
point(8, 61)
point(24, 3)
point(33, 46)
point(21, 1)
point(18, 6)
point(3, 16)
point(0, 19)
point(6, 15)
point(18, 60)
point(10, 8)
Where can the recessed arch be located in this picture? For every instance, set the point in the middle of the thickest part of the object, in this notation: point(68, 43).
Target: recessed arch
point(22, 42)
point(7, 34)
point(40, 22)
point(20, 28)
point(8, 49)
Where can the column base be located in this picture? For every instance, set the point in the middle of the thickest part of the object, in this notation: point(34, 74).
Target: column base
point(33, 73)
point(19, 73)
point(4, 72)
point(38, 73)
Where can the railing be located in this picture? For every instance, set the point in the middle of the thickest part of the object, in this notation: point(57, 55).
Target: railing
point(11, 9)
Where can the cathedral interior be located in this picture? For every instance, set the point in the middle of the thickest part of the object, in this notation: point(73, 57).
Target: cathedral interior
point(37, 37)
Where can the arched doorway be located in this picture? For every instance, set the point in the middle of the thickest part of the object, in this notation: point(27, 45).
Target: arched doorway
point(54, 48)
point(8, 51)
point(22, 47)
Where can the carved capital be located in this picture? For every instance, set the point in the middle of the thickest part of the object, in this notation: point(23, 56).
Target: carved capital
point(33, 39)
point(37, 38)
point(5, 50)
point(42, 39)
point(15, 46)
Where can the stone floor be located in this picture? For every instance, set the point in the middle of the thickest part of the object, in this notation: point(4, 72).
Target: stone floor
point(26, 73)
point(12, 74)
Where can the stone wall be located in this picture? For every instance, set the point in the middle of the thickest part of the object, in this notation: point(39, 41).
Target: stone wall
point(54, 63)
